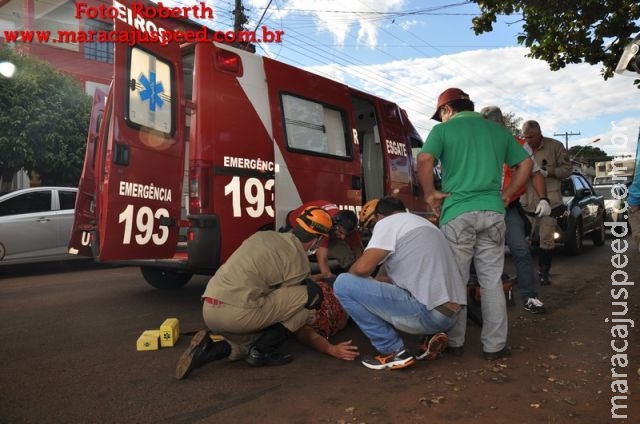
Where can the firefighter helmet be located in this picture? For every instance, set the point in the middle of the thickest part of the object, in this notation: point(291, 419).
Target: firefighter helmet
point(367, 213)
point(315, 220)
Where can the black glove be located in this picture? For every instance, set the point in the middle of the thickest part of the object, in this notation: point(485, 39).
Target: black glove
point(314, 293)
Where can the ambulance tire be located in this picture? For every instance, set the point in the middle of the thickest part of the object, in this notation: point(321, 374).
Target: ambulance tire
point(165, 279)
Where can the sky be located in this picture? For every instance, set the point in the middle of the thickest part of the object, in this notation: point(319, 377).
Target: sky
point(409, 51)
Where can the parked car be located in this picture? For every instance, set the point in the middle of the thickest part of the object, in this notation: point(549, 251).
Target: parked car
point(615, 196)
point(35, 224)
point(584, 215)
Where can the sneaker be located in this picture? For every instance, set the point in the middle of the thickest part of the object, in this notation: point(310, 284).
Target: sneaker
point(432, 347)
point(193, 357)
point(392, 361)
point(534, 306)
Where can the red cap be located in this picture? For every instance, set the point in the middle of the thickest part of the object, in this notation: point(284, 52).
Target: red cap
point(447, 96)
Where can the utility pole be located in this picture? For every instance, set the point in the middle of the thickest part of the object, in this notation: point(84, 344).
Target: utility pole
point(566, 138)
point(239, 18)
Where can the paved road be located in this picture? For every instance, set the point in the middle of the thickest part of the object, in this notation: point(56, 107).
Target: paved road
point(68, 334)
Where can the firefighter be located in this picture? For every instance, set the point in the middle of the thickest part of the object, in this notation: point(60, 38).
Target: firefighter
point(366, 221)
point(516, 222)
point(344, 243)
point(555, 165)
point(367, 218)
point(260, 296)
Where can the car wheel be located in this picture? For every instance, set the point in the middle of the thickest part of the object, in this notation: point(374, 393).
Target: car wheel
point(573, 243)
point(165, 279)
point(598, 235)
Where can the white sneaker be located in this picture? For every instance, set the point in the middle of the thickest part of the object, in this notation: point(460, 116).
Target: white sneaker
point(534, 305)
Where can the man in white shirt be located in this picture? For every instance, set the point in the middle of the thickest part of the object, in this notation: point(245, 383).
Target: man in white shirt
point(425, 295)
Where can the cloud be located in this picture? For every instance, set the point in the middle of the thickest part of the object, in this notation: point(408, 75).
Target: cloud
point(339, 17)
point(621, 138)
point(574, 99)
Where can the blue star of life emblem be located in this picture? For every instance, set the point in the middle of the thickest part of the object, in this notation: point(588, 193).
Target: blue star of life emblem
point(152, 91)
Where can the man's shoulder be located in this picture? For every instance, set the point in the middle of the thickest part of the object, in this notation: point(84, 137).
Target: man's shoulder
point(552, 143)
point(399, 218)
point(270, 236)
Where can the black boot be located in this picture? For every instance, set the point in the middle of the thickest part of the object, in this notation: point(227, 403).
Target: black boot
point(544, 262)
point(262, 352)
point(201, 350)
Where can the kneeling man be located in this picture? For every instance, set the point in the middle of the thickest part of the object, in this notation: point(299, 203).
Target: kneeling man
point(424, 296)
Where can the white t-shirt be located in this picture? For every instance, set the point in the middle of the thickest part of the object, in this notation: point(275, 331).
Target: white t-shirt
point(420, 259)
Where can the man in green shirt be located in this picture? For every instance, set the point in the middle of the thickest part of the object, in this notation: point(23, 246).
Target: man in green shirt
point(471, 206)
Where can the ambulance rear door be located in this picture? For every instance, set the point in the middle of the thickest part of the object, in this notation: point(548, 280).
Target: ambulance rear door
point(141, 159)
point(85, 218)
point(400, 140)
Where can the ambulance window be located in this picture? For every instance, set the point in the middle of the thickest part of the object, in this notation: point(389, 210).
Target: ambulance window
point(150, 101)
point(314, 127)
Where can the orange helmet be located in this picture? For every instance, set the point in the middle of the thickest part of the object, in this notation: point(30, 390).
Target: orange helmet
point(315, 220)
point(367, 215)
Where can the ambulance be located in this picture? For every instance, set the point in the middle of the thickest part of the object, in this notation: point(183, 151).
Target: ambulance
point(198, 145)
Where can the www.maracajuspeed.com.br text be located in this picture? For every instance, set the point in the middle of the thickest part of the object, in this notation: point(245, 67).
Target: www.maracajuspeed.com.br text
point(164, 37)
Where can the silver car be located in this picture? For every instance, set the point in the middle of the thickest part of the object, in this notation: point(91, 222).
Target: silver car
point(35, 224)
point(614, 200)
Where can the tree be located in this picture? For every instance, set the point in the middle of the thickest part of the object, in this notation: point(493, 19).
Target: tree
point(588, 154)
point(44, 116)
point(561, 32)
point(513, 122)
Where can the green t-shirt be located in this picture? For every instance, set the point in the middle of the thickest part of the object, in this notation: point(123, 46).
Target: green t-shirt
point(472, 151)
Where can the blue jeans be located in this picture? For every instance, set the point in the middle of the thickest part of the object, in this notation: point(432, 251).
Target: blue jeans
point(521, 253)
point(479, 236)
point(381, 308)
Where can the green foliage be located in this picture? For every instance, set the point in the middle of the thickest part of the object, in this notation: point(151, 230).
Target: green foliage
point(561, 32)
point(588, 154)
point(44, 117)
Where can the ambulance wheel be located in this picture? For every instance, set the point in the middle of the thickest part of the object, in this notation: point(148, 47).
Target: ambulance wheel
point(165, 279)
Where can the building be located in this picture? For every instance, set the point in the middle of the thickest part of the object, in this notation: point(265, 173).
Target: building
point(90, 63)
point(619, 170)
point(584, 168)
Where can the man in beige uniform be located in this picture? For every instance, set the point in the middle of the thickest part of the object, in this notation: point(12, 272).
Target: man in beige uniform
point(555, 165)
point(260, 296)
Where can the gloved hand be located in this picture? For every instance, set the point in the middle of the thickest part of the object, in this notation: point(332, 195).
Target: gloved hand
point(314, 294)
point(543, 208)
point(544, 172)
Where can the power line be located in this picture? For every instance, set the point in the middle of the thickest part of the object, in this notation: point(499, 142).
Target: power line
point(566, 137)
